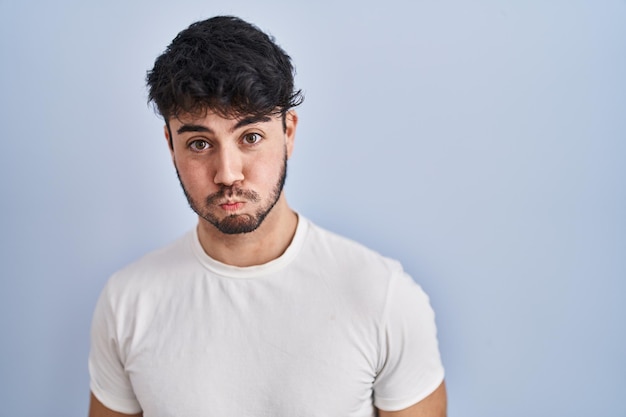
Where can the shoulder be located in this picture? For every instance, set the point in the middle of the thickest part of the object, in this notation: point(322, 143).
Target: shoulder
point(359, 273)
point(153, 269)
point(348, 254)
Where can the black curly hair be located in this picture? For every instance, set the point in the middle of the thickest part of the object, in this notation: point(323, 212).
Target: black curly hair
point(225, 65)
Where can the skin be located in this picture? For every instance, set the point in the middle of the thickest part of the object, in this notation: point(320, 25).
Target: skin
point(216, 156)
point(212, 153)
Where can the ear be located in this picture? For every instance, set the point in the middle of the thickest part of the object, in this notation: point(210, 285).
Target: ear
point(291, 122)
point(168, 137)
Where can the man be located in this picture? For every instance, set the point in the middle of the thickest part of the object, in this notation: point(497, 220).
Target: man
point(256, 312)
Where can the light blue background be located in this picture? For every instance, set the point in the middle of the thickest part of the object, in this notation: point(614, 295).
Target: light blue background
point(481, 143)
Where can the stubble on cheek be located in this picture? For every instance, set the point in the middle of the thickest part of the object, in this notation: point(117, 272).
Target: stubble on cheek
point(236, 223)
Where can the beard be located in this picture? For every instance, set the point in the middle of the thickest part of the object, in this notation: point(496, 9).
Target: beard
point(237, 223)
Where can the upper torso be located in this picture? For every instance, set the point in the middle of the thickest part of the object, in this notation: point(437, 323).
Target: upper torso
point(302, 335)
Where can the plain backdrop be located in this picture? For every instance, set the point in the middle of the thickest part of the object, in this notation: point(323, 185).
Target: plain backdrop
point(481, 143)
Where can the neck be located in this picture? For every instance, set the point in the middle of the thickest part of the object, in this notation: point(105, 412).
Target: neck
point(266, 243)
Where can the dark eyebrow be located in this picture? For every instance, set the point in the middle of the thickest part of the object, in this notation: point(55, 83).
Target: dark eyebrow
point(241, 123)
point(193, 128)
point(250, 120)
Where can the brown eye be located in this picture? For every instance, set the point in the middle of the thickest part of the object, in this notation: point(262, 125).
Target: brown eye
point(252, 138)
point(199, 145)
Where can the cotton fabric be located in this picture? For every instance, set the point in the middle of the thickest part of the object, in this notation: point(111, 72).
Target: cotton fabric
point(330, 328)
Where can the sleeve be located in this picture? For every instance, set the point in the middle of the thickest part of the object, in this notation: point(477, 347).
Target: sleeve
point(109, 381)
point(410, 364)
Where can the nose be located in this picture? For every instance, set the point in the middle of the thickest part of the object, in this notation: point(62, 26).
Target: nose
point(229, 167)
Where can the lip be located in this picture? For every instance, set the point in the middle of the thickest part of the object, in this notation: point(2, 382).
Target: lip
point(231, 206)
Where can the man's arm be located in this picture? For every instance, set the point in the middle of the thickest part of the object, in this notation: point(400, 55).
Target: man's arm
point(435, 405)
point(97, 409)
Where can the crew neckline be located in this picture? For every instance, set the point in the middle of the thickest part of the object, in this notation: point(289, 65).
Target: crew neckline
point(254, 271)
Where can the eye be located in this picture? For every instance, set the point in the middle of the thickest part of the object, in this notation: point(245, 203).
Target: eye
point(199, 145)
point(251, 138)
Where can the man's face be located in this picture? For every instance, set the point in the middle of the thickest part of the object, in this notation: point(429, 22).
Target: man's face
point(232, 170)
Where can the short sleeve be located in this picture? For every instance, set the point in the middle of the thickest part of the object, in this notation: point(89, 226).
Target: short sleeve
point(410, 363)
point(109, 381)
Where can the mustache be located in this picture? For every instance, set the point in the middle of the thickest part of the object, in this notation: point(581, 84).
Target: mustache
point(229, 192)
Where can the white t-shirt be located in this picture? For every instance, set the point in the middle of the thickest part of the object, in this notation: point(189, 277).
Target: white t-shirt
point(330, 328)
